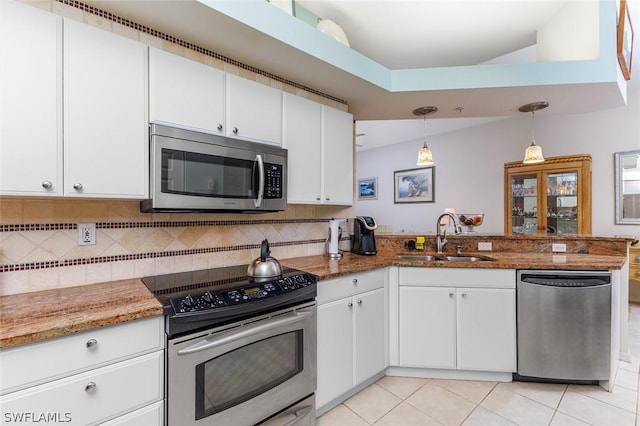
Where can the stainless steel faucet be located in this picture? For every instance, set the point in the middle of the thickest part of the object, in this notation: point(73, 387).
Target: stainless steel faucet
point(441, 239)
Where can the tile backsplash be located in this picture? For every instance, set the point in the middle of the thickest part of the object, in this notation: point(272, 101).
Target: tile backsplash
point(39, 240)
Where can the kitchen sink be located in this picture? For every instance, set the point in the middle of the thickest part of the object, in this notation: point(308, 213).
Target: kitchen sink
point(453, 258)
point(466, 258)
point(418, 257)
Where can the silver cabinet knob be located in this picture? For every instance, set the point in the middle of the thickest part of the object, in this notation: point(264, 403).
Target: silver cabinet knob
point(451, 295)
point(354, 281)
point(317, 198)
point(359, 301)
point(464, 295)
point(219, 126)
point(235, 130)
point(350, 304)
point(77, 186)
point(638, 273)
point(90, 387)
point(327, 199)
point(637, 257)
point(47, 184)
point(92, 343)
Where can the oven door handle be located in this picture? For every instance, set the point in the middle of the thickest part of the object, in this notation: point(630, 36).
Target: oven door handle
point(224, 338)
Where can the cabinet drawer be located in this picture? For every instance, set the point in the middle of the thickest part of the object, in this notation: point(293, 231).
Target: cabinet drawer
point(459, 277)
point(348, 285)
point(95, 395)
point(151, 415)
point(36, 363)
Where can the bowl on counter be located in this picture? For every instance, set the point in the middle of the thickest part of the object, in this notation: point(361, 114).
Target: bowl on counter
point(471, 220)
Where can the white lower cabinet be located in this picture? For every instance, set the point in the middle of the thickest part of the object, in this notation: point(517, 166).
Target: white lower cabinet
point(351, 333)
point(451, 320)
point(101, 379)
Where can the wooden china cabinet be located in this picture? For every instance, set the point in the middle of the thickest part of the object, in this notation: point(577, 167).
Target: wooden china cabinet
point(549, 198)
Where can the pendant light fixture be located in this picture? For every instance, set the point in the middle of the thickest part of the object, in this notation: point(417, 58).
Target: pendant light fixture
point(533, 154)
point(425, 157)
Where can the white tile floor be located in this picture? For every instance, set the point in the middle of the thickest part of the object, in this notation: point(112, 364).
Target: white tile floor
point(404, 401)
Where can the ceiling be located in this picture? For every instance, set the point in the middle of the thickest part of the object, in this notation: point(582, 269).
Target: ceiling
point(397, 35)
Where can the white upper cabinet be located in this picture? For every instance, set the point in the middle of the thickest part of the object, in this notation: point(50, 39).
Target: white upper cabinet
point(337, 156)
point(105, 114)
point(31, 101)
point(302, 139)
point(185, 93)
point(253, 110)
point(320, 144)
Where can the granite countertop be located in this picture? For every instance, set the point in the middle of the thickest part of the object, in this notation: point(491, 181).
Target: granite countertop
point(351, 263)
point(32, 317)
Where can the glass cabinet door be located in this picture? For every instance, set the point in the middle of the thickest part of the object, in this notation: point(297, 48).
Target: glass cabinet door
point(562, 202)
point(552, 198)
point(524, 204)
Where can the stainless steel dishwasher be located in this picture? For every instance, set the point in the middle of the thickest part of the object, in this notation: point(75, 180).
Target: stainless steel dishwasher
point(564, 325)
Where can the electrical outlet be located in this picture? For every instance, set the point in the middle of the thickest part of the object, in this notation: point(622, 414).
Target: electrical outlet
point(86, 234)
point(558, 248)
point(484, 247)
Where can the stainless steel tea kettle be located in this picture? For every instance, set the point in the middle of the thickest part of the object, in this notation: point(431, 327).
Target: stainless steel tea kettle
point(264, 266)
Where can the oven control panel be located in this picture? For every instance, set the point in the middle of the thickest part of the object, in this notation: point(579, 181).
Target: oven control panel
point(211, 300)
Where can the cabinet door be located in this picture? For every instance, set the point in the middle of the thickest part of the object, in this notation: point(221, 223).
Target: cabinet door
point(337, 156)
point(105, 113)
point(486, 329)
point(31, 101)
point(369, 328)
point(254, 111)
point(185, 93)
point(525, 203)
point(427, 327)
point(335, 350)
point(302, 132)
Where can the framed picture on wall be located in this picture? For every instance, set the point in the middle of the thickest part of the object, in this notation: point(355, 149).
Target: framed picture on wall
point(625, 40)
point(368, 189)
point(414, 185)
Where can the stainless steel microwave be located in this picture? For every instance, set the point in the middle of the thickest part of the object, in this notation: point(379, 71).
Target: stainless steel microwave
point(202, 172)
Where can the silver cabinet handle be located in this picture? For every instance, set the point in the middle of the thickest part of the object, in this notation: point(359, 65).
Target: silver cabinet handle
point(219, 126)
point(350, 304)
point(359, 301)
point(637, 257)
point(354, 281)
point(451, 295)
point(464, 295)
point(90, 387)
point(327, 198)
point(235, 130)
point(318, 198)
point(92, 343)
point(77, 186)
point(47, 184)
point(638, 273)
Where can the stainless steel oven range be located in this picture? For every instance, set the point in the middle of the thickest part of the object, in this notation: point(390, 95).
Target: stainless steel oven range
point(240, 350)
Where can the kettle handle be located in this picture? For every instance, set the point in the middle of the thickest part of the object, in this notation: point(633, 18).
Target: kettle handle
point(264, 250)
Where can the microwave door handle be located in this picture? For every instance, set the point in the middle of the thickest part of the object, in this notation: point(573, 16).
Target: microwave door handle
point(211, 342)
point(258, 200)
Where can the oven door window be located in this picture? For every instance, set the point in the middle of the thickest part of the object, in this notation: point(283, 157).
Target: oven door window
point(203, 175)
point(242, 374)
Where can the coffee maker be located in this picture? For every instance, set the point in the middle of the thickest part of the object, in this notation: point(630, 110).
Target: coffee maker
point(364, 241)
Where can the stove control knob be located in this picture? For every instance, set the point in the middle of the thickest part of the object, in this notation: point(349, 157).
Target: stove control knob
point(207, 297)
point(188, 301)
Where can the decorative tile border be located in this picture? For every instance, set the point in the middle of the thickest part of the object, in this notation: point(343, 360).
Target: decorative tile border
point(134, 25)
point(159, 224)
point(140, 256)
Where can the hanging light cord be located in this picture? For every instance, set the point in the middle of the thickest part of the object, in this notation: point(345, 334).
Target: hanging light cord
point(425, 130)
point(533, 128)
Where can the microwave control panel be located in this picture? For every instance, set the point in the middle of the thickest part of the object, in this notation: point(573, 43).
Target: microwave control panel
point(273, 181)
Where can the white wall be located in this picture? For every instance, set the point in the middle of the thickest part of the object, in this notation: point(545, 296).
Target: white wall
point(469, 166)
